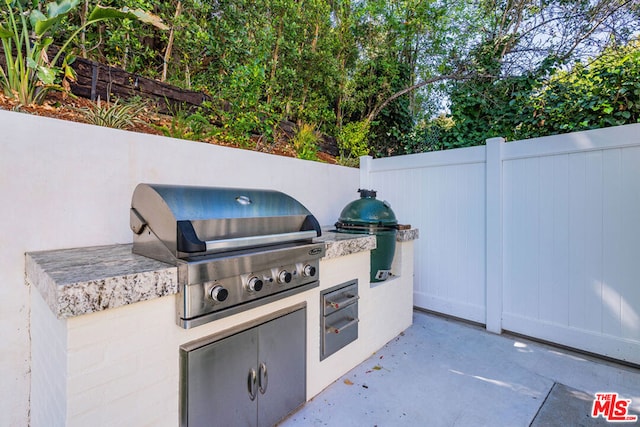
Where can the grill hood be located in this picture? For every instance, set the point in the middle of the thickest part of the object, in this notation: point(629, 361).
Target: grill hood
point(175, 222)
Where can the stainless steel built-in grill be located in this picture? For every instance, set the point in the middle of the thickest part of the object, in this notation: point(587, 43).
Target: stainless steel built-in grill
point(235, 249)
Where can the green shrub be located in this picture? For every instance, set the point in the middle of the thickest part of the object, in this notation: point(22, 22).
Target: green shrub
point(306, 141)
point(353, 140)
point(194, 126)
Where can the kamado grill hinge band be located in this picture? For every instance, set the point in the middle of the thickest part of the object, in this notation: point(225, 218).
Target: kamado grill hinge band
point(368, 227)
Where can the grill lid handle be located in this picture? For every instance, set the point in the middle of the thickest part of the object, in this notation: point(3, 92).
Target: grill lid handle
point(136, 222)
point(247, 242)
point(311, 223)
point(188, 240)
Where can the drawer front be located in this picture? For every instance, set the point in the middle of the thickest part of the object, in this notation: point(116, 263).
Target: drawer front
point(333, 301)
point(339, 329)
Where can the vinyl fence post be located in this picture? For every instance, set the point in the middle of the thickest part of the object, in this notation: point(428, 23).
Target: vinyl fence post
point(365, 172)
point(494, 235)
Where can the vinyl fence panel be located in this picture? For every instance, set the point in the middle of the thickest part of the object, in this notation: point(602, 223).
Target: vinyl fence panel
point(442, 194)
point(539, 237)
point(572, 240)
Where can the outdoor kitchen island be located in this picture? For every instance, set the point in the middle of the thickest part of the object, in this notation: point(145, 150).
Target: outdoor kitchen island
point(105, 343)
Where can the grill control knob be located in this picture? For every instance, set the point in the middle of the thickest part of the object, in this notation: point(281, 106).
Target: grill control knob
point(309, 270)
point(218, 293)
point(284, 277)
point(254, 284)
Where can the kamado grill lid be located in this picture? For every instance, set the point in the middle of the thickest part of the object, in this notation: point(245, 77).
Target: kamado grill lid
point(367, 212)
point(172, 221)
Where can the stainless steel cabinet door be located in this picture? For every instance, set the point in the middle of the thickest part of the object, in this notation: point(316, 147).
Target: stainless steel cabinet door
point(222, 385)
point(282, 365)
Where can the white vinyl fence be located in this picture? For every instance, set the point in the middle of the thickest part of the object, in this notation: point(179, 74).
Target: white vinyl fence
point(539, 237)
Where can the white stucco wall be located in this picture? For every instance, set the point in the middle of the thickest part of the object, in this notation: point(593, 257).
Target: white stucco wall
point(66, 185)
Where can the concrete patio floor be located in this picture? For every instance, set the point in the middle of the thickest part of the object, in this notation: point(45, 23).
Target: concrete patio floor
point(443, 372)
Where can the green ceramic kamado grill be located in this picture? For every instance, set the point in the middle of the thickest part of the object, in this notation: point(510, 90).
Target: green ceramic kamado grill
point(368, 215)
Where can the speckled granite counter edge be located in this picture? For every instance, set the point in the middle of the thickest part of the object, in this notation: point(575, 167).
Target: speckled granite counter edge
point(341, 244)
point(408, 235)
point(86, 280)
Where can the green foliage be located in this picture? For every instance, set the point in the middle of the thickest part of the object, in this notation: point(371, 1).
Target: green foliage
point(117, 116)
point(243, 111)
point(26, 37)
point(336, 63)
point(135, 48)
point(353, 141)
point(187, 125)
point(28, 70)
point(305, 142)
point(427, 136)
point(488, 105)
point(266, 60)
point(395, 120)
point(604, 93)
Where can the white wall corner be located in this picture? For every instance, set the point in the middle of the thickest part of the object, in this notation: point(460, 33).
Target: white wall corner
point(494, 235)
point(365, 172)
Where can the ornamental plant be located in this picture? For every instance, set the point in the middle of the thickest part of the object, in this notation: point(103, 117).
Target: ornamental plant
point(26, 30)
point(305, 142)
point(117, 116)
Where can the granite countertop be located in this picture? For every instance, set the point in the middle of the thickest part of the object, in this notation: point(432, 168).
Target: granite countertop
point(341, 244)
point(86, 280)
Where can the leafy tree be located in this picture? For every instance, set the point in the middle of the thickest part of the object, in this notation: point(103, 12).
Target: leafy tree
point(517, 55)
point(485, 106)
point(395, 119)
point(406, 46)
point(605, 92)
point(352, 141)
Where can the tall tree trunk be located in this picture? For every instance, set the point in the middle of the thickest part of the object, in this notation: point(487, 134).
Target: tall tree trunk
point(274, 60)
point(314, 47)
point(167, 52)
point(83, 33)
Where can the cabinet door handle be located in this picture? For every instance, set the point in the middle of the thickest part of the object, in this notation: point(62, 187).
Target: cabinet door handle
point(252, 381)
point(263, 378)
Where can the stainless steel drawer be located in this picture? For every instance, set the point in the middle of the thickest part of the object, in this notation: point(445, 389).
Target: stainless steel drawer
point(334, 300)
point(339, 318)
